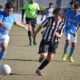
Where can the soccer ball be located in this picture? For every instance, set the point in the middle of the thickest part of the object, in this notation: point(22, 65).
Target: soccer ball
point(5, 69)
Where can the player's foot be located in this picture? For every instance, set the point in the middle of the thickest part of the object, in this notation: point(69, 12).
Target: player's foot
point(64, 57)
point(34, 43)
point(38, 72)
point(30, 44)
point(71, 59)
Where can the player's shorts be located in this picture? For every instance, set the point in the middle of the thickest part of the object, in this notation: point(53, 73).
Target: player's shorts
point(71, 37)
point(47, 46)
point(4, 38)
point(31, 21)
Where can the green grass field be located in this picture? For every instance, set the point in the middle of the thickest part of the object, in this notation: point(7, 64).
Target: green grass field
point(23, 60)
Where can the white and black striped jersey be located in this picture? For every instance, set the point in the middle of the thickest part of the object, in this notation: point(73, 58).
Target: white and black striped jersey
point(50, 28)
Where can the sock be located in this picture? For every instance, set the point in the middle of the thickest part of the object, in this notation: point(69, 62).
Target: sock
point(2, 55)
point(43, 64)
point(65, 48)
point(34, 40)
point(29, 35)
point(71, 51)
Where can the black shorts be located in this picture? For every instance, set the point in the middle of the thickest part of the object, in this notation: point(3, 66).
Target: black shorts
point(47, 46)
point(31, 21)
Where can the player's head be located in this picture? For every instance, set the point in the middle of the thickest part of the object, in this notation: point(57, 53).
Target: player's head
point(76, 8)
point(72, 4)
point(9, 8)
point(50, 4)
point(58, 13)
point(31, 1)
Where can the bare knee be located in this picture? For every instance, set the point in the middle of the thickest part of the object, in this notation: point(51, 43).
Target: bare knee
point(67, 42)
point(50, 56)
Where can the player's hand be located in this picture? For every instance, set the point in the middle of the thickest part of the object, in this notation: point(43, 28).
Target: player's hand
point(58, 35)
point(28, 27)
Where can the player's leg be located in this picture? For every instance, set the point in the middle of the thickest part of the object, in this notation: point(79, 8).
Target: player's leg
point(33, 24)
point(30, 36)
point(72, 49)
point(28, 21)
point(67, 42)
point(42, 56)
point(3, 46)
point(44, 63)
point(51, 53)
point(43, 49)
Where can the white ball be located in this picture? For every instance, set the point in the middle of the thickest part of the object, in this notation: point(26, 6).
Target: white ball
point(5, 69)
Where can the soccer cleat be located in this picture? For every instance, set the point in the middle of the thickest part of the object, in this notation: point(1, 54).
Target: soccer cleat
point(64, 57)
point(30, 44)
point(71, 59)
point(38, 72)
point(34, 43)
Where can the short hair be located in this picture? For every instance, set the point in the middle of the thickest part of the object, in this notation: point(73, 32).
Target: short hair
point(58, 11)
point(50, 3)
point(76, 6)
point(71, 2)
point(9, 5)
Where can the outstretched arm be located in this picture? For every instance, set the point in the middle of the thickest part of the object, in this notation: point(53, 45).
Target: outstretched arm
point(25, 26)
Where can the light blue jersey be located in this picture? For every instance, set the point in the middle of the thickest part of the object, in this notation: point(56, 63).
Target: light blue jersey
point(8, 22)
point(72, 22)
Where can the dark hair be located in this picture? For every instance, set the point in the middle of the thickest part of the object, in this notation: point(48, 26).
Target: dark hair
point(9, 5)
point(50, 3)
point(76, 6)
point(58, 11)
point(72, 2)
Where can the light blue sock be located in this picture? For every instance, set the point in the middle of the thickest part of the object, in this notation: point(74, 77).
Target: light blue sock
point(71, 51)
point(65, 48)
point(2, 55)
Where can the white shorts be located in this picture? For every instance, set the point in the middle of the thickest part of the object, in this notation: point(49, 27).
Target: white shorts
point(4, 38)
point(70, 37)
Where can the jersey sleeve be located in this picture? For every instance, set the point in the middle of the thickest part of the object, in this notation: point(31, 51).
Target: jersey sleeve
point(37, 6)
point(44, 23)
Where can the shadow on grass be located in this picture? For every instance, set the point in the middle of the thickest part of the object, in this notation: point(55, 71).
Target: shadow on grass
point(22, 60)
point(30, 60)
point(76, 65)
point(13, 74)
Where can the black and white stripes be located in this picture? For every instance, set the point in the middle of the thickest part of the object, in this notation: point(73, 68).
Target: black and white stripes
point(51, 28)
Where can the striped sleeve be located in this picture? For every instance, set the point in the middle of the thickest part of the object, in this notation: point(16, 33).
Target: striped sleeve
point(44, 23)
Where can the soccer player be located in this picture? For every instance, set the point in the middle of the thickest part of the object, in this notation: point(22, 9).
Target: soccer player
point(31, 9)
point(71, 26)
point(53, 30)
point(48, 11)
point(7, 20)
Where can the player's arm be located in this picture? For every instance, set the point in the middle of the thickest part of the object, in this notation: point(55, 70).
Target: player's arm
point(59, 32)
point(43, 25)
point(25, 26)
point(23, 11)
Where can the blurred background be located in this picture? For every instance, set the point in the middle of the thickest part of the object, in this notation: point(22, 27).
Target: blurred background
point(18, 4)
